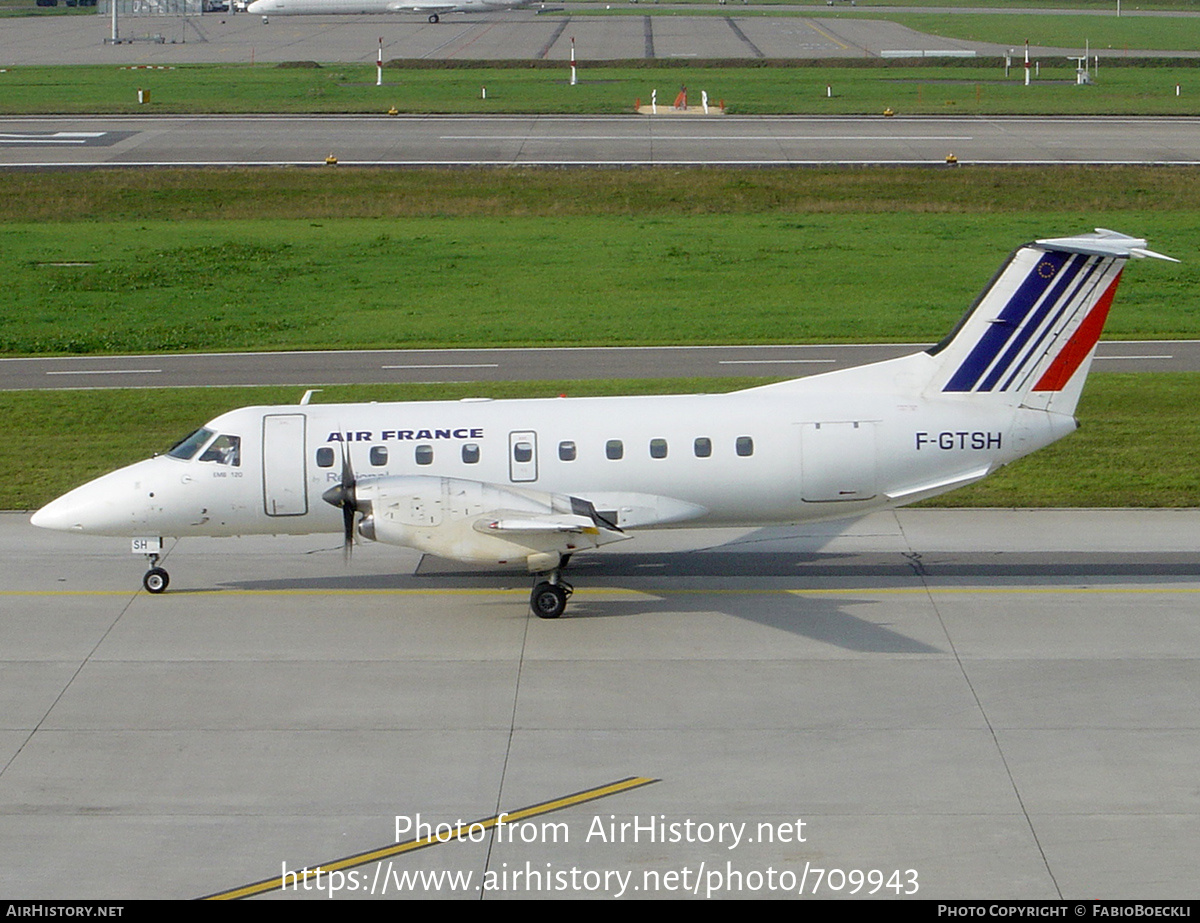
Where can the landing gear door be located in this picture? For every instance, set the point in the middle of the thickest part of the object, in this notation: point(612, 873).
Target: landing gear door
point(522, 457)
point(284, 491)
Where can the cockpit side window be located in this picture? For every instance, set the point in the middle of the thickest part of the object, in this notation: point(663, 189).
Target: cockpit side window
point(188, 446)
point(225, 450)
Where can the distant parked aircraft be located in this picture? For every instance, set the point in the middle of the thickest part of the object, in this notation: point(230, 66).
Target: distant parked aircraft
point(434, 8)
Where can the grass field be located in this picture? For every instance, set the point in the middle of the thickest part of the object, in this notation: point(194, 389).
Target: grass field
point(98, 263)
point(428, 282)
point(100, 197)
point(961, 88)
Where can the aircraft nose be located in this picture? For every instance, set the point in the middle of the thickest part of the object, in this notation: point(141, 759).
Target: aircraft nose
point(72, 512)
point(48, 517)
point(110, 505)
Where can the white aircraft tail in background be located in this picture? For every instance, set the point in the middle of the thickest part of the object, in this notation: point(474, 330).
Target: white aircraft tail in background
point(532, 482)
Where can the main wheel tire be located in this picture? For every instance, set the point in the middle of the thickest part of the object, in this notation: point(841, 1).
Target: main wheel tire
point(548, 601)
point(433, 17)
point(156, 580)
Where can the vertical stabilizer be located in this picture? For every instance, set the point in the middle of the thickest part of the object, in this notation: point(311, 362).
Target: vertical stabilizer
point(1029, 338)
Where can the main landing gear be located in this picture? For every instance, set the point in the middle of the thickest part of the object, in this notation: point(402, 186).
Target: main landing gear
point(433, 17)
point(549, 597)
point(156, 579)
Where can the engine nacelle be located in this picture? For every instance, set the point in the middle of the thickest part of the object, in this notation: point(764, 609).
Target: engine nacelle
point(484, 523)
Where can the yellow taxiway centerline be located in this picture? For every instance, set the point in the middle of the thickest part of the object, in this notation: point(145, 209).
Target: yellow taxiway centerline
point(396, 849)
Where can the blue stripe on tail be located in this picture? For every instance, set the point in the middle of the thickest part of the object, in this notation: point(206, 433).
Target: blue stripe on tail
point(1028, 294)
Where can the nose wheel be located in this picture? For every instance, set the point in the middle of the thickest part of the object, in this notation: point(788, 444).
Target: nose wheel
point(156, 579)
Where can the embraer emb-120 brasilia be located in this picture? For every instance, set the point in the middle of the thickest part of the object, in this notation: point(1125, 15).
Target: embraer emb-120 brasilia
point(533, 482)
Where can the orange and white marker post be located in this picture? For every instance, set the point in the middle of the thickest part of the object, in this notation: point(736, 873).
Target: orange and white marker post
point(1026, 62)
point(379, 64)
point(573, 80)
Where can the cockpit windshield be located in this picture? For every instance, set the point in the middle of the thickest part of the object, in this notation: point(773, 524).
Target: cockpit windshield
point(223, 450)
point(188, 446)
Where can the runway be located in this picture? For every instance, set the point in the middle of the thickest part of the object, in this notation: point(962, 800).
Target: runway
point(992, 704)
point(633, 140)
point(341, 367)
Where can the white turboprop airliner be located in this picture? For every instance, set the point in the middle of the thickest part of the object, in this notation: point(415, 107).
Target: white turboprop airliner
point(433, 8)
point(534, 481)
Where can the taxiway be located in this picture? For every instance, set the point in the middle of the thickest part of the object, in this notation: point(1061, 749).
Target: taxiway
point(340, 367)
point(1003, 702)
point(633, 140)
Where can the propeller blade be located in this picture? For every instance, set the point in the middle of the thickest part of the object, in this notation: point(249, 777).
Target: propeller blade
point(344, 496)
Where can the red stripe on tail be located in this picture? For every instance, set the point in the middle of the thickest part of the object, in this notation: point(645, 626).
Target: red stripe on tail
point(1082, 341)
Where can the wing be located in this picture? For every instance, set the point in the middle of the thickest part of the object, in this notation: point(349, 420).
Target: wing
point(497, 524)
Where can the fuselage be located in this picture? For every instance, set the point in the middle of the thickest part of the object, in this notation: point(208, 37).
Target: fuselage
point(803, 450)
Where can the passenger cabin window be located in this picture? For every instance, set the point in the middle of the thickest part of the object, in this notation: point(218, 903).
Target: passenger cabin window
point(188, 446)
point(614, 449)
point(566, 451)
point(470, 453)
point(424, 454)
point(522, 452)
point(325, 457)
point(702, 447)
point(224, 450)
point(745, 446)
point(658, 448)
point(378, 455)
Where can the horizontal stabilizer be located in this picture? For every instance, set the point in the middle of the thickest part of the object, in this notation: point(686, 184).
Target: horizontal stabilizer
point(1103, 242)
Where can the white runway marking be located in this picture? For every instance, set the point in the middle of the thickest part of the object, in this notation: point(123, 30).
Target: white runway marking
point(476, 365)
point(107, 372)
point(770, 361)
point(59, 137)
point(709, 138)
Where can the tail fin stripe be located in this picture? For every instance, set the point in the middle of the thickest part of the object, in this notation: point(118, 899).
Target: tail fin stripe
point(1060, 327)
point(1081, 344)
point(1042, 329)
point(1053, 305)
point(1028, 293)
point(1028, 339)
